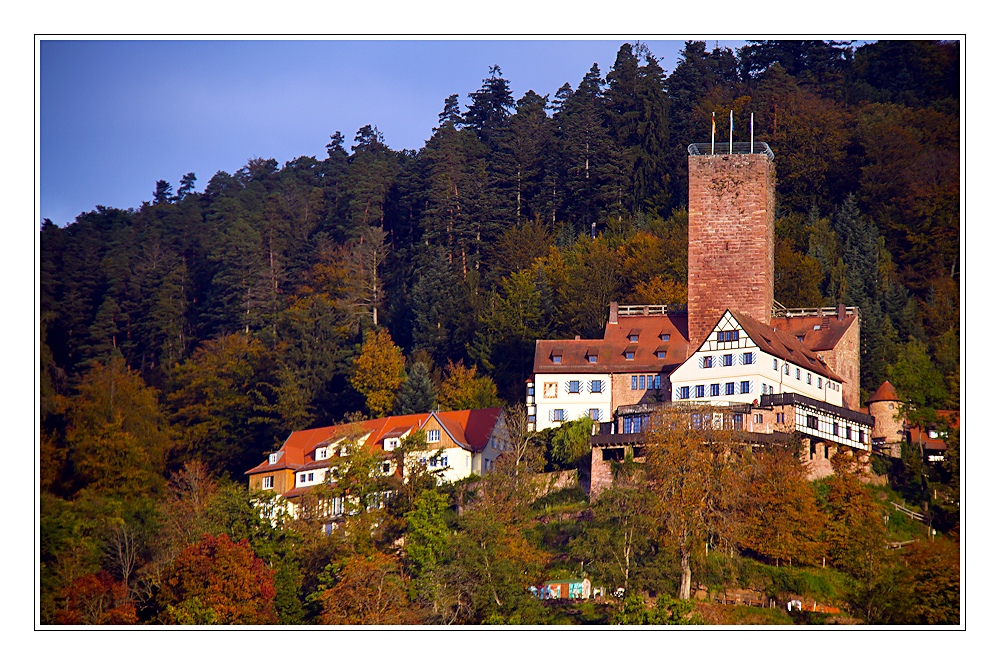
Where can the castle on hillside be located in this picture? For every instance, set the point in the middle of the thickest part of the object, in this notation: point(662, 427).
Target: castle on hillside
point(771, 371)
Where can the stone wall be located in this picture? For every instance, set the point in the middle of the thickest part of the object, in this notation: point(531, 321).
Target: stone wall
point(888, 421)
point(600, 473)
point(845, 360)
point(730, 239)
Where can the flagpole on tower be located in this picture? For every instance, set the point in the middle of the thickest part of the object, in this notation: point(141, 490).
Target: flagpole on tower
point(713, 132)
point(730, 132)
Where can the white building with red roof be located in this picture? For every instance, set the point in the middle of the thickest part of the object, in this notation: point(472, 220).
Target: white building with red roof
point(458, 444)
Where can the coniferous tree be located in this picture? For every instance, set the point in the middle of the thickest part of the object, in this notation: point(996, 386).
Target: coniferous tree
point(418, 393)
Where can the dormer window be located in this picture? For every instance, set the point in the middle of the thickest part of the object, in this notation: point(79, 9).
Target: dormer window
point(633, 335)
point(557, 359)
point(664, 337)
point(660, 353)
point(801, 338)
point(272, 458)
point(390, 444)
point(321, 453)
point(591, 356)
point(630, 355)
point(557, 356)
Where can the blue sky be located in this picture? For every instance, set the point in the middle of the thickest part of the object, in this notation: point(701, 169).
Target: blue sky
point(116, 116)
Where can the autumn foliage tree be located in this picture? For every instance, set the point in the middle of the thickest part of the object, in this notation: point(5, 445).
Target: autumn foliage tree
point(219, 582)
point(379, 372)
point(97, 599)
point(370, 590)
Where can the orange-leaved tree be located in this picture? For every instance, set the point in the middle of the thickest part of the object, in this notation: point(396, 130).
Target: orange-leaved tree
point(217, 581)
point(378, 372)
point(97, 599)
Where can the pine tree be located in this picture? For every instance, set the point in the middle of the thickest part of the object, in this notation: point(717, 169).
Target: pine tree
point(418, 393)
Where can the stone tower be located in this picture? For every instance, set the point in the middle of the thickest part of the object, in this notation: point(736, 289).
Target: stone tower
point(730, 236)
point(886, 407)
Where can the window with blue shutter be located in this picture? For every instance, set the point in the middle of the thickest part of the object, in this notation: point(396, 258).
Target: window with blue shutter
point(699, 391)
point(731, 388)
point(748, 358)
point(573, 386)
point(727, 360)
point(714, 390)
point(597, 386)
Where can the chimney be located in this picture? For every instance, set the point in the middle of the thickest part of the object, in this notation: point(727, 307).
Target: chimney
point(613, 315)
point(841, 311)
point(576, 337)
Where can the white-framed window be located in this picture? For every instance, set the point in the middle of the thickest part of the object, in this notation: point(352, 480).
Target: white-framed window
point(433, 435)
point(758, 418)
point(390, 444)
point(272, 458)
point(809, 378)
point(774, 364)
point(386, 468)
point(798, 374)
point(321, 453)
point(302, 477)
point(267, 483)
point(786, 369)
point(311, 476)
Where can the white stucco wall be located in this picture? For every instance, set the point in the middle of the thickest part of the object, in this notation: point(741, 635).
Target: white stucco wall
point(552, 392)
point(764, 370)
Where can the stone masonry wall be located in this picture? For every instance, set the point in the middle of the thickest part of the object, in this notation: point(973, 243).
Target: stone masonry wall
point(730, 239)
point(845, 360)
point(600, 473)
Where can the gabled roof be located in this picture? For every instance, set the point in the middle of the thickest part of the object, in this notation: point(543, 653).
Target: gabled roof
point(470, 428)
point(610, 350)
point(819, 333)
point(783, 345)
point(885, 393)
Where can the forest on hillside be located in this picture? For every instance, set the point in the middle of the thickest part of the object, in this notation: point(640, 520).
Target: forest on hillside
point(183, 339)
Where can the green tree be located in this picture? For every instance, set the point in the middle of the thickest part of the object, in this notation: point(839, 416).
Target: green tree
point(571, 442)
point(417, 394)
point(223, 401)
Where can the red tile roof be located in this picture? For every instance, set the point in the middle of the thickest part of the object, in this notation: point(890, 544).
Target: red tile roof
point(610, 351)
point(470, 428)
point(784, 346)
point(819, 333)
point(885, 393)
